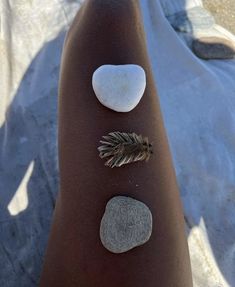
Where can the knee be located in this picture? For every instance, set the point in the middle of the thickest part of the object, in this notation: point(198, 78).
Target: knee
point(105, 18)
point(113, 7)
point(110, 11)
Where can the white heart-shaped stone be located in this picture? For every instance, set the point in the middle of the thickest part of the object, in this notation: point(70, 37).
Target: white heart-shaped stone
point(119, 87)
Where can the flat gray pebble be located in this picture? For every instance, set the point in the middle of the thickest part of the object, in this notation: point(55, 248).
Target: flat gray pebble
point(213, 48)
point(126, 223)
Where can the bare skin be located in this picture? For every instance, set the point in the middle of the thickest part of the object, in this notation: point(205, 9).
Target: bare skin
point(111, 32)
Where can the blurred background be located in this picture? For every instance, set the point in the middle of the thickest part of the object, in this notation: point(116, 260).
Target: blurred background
point(223, 11)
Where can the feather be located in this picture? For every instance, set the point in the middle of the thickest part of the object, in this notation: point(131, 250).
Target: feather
point(122, 148)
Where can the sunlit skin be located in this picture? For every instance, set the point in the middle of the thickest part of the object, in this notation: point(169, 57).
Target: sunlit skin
point(111, 32)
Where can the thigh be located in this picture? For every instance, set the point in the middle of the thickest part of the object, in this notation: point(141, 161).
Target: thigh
point(111, 32)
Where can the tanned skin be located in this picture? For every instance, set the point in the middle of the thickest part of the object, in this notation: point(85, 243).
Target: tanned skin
point(111, 32)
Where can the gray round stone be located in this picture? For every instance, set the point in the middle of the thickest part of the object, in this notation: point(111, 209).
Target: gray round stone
point(126, 223)
point(213, 48)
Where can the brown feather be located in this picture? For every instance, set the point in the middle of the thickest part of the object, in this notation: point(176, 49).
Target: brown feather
point(122, 148)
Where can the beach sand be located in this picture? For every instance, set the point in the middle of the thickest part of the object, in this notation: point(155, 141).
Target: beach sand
point(223, 11)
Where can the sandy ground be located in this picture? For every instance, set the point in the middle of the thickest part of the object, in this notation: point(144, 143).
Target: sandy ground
point(223, 11)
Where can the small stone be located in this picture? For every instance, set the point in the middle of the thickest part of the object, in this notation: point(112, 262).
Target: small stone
point(213, 48)
point(126, 223)
point(119, 87)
